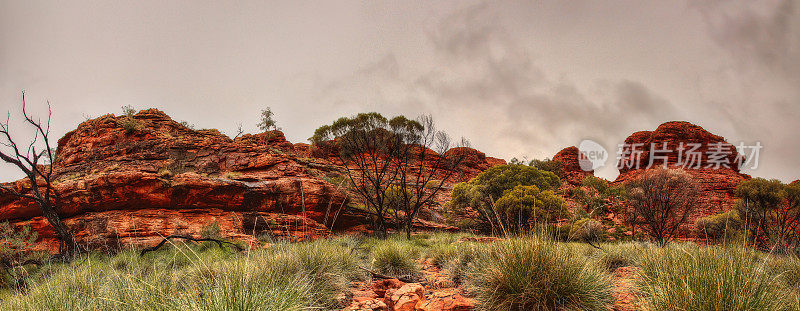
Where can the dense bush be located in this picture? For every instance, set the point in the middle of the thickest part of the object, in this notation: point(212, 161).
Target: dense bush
point(480, 194)
point(522, 204)
point(720, 227)
point(770, 210)
point(587, 230)
point(531, 274)
point(598, 196)
point(554, 166)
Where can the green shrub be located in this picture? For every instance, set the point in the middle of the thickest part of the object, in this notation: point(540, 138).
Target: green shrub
point(13, 243)
point(586, 230)
point(554, 166)
point(129, 123)
point(531, 274)
point(211, 231)
point(522, 204)
point(723, 226)
point(480, 193)
point(707, 278)
point(598, 196)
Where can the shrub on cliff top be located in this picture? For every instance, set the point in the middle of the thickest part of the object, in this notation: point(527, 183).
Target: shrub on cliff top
point(130, 124)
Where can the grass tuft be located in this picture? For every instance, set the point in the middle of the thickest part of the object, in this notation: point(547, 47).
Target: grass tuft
point(534, 274)
point(690, 277)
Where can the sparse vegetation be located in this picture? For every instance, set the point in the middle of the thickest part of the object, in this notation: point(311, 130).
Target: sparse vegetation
point(517, 273)
point(770, 211)
point(391, 157)
point(267, 123)
point(129, 123)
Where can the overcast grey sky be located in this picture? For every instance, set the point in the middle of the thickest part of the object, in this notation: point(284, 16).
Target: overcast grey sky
point(516, 78)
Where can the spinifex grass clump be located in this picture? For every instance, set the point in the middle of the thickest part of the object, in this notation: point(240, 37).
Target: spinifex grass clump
point(708, 278)
point(291, 277)
point(396, 257)
point(535, 274)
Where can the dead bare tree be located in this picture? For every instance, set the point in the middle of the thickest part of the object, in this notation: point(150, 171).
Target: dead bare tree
point(662, 200)
point(365, 145)
point(424, 165)
point(37, 164)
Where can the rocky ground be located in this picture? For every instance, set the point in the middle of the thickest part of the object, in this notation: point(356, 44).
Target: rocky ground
point(438, 293)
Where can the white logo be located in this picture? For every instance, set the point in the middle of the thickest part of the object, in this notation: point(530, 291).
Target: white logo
point(591, 155)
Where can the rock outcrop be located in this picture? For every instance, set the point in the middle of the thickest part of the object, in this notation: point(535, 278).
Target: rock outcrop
point(712, 161)
point(571, 170)
point(131, 180)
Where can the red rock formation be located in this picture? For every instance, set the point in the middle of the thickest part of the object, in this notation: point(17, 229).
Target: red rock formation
point(474, 162)
point(130, 181)
point(717, 183)
point(572, 172)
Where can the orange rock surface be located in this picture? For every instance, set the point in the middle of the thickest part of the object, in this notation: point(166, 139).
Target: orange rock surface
point(129, 181)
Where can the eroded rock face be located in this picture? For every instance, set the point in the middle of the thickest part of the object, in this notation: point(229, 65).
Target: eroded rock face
point(571, 170)
point(718, 182)
point(129, 181)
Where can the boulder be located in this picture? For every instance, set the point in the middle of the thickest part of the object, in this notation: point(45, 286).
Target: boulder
point(446, 300)
point(407, 297)
point(571, 169)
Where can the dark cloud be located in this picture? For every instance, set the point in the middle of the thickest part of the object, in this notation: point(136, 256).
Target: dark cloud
point(762, 40)
point(483, 77)
point(757, 35)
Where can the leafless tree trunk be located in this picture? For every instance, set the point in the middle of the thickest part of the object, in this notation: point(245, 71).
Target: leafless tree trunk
point(422, 174)
point(39, 175)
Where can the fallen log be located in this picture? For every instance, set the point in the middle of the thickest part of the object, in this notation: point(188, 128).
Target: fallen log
point(166, 239)
point(381, 276)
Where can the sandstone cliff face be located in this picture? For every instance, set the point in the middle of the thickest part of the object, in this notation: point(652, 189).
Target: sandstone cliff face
point(572, 172)
point(129, 182)
point(717, 183)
